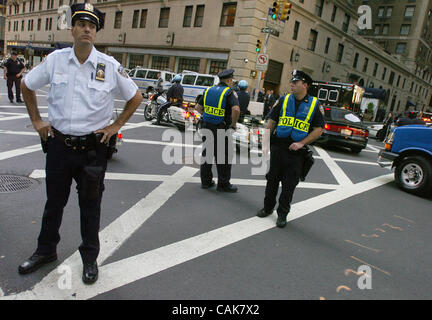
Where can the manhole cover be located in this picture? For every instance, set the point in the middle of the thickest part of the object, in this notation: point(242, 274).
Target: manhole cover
point(11, 183)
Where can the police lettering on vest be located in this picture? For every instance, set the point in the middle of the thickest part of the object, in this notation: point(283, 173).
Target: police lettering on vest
point(292, 124)
point(215, 104)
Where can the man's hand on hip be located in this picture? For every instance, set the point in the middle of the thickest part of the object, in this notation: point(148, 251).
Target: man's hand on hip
point(43, 128)
point(108, 132)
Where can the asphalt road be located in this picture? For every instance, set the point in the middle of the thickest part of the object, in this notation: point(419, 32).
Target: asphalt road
point(163, 237)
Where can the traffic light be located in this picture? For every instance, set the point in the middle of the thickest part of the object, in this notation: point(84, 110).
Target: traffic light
point(258, 45)
point(285, 11)
point(275, 10)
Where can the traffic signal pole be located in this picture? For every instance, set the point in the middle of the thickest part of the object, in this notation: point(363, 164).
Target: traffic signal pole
point(260, 72)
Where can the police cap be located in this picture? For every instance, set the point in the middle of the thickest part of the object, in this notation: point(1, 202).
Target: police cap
point(225, 74)
point(300, 75)
point(86, 11)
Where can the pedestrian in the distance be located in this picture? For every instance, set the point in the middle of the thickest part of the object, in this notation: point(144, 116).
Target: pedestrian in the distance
point(13, 70)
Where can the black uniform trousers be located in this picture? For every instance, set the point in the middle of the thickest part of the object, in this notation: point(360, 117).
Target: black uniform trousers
point(11, 80)
point(223, 169)
point(285, 167)
point(63, 165)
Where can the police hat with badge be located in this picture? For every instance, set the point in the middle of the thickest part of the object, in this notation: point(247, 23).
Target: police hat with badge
point(226, 74)
point(86, 11)
point(300, 75)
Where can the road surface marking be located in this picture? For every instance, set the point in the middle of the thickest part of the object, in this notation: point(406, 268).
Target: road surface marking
point(337, 172)
point(18, 152)
point(123, 272)
point(370, 265)
point(403, 218)
point(362, 246)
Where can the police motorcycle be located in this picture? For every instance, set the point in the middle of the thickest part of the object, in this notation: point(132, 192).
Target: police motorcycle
point(152, 106)
point(249, 133)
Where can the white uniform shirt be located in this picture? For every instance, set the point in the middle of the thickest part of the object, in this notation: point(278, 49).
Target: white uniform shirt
point(78, 103)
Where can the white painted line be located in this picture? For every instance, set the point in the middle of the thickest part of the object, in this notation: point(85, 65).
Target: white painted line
point(356, 161)
point(14, 118)
point(373, 148)
point(39, 174)
point(22, 133)
point(21, 107)
point(161, 143)
point(126, 271)
point(337, 172)
point(371, 151)
point(11, 113)
point(19, 152)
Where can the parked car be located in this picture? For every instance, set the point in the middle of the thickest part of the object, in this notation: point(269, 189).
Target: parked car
point(343, 128)
point(374, 129)
point(408, 150)
point(146, 79)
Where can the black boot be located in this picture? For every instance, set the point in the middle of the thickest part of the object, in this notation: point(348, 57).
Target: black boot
point(281, 220)
point(35, 262)
point(90, 272)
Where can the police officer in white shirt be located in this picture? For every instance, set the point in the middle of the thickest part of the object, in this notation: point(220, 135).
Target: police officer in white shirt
point(80, 106)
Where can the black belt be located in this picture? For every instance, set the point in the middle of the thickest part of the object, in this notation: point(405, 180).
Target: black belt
point(78, 143)
point(213, 126)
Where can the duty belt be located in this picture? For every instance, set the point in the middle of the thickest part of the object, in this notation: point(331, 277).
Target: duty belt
point(78, 143)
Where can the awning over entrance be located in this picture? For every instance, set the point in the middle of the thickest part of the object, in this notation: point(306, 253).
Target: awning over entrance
point(375, 93)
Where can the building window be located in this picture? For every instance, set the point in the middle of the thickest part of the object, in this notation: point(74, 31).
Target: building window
point(384, 74)
point(409, 11)
point(356, 57)
point(380, 12)
point(333, 17)
point(190, 64)
point(327, 46)
point(164, 17)
point(400, 48)
point(346, 22)
point(398, 81)
point(319, 7)
point(385, 30)
point(9, 26)
point(217, 66)
point(40, 4)
point(143, 20)
point(340, 53)
point(135, 19)
point(389, 12)
point(118, 19)
point(136, 60)
point(160, 62)
point(377, 29)
point(199, 16)
point(405, 29)
point(228, 14)
point(296, 30)
point(391, 78)
point(312, 40)
point(22, 25)
point(187, 19)
point(24, 7)
point(39, 23)
point(365, 65)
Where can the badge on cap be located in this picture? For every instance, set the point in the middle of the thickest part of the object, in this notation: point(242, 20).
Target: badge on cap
point(122, 72)
point(294, 72)
point(88, 7)
point(100, 72)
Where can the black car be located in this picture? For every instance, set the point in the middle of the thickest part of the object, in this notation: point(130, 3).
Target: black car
point(343, 128)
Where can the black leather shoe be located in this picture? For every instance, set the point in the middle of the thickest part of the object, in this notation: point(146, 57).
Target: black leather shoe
point(11, 101)
point(90, 272)
point(228, 188)
point(208, 186)
point(20, 101)
point(262, 213)
point(281, 221)
point(35, 262)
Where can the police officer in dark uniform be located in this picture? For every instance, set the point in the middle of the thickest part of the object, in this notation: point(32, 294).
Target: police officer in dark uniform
point(13, 70)
point(219, 106)
point(174, 97)
point(244, 99)
point(83, 83)
point(296, 121)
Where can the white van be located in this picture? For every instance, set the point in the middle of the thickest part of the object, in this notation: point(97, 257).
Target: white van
point(146, 79)
point(194, 85)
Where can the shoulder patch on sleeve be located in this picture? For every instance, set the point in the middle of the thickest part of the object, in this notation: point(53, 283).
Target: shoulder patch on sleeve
point(122, 72)
point(235, 94)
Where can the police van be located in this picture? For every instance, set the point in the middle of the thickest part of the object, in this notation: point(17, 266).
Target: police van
point(194, 85)
point(146, 79)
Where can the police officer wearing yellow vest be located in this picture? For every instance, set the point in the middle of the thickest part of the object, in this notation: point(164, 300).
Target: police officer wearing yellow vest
point(220, 108)
point(83, 83)
point(296, 121)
